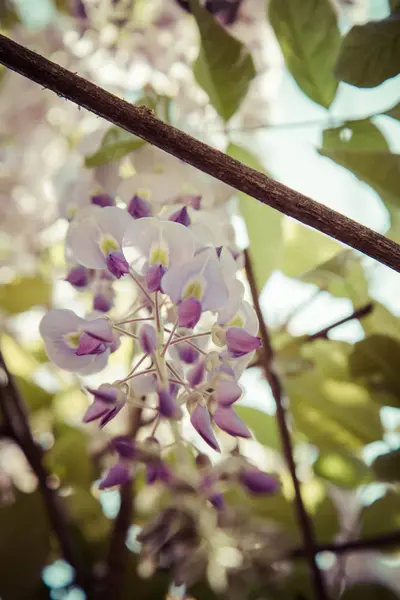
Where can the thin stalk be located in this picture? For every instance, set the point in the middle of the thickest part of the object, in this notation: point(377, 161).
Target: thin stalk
point(141, 287)
point(120, 330)
point(134, 369)
point(138, 320)
point(171, 335)
point(189, 337)
point(303, 519)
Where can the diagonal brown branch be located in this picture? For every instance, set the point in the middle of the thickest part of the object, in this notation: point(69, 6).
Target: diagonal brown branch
point(304, 522)
point(142, 122)
point(17, 427)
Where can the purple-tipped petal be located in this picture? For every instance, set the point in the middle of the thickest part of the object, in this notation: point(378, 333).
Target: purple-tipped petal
point(95, 411)
point(117, 264)
point(102, 303)
point(227, 392)
point(217, 500)
point(166, 405)
point(138, 207)
point(109, 416)
point(117, 475)
point(181, 216)
point(187, 353)
point(148, 338)
point(189, 313)
point(157, 472)
point(89, 345)
point(153, 277)
point(201, 421)
point(105, 393)
point(123, 446)
point(100, 329)
point(239, 342)
point(103, 200)
point(258, 482)
point(78, 276)
point(228, 420)
point(195, 202)
point(195, 375)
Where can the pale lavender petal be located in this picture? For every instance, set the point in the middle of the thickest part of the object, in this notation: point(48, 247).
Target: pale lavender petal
point(195, 202)
point(117, 264)
point(227, 391)
point(147, 338)
point(103, 200)
point(181, 216)
point(201, 421)
point(95, 411)
point(78, 276)
point(113, 221)
point(154, 276)
point(166, 405)
point(144, 384)
point(124, 446)
point(228, 420)
point(195, 375)
point(258, 482)
point(117, 475)
point(235, 297)
point(106, 393)
point(100, 329)
point(59, 322)
point(189, 313)
point(89, 345)
point(83, 238)
point(239, 342)
point(139, 207)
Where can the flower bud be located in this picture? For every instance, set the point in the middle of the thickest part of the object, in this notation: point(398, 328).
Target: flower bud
point(218, 335)
point(189, 313)
point(139, 207)
point(148, 338)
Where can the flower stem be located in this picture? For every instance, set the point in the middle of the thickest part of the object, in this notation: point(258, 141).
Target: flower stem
point(141, 287)
point(189, 337)
point(171, 335)
point(134, 320)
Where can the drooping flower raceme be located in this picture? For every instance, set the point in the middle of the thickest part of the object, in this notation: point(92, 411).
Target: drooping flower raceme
point(193, 334)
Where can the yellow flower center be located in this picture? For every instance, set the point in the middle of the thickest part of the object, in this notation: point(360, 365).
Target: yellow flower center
point(194, 289)
point(109, 244)
point(159, 255)
point(237, 321)
point(72, 339)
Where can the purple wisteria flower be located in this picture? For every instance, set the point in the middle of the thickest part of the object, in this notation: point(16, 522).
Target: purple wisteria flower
point(138, 207)
point(108, 401)
point(76, 344)
point(96, 239)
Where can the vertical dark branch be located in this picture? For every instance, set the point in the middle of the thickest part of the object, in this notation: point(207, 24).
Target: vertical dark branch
point(118, 553)
point(17, 427)
point(278, 394)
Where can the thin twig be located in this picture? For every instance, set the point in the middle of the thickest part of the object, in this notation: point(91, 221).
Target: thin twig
point(304, 522)
point(16, 423)
point(362, 545)
point(142, 122)
point(357, 314)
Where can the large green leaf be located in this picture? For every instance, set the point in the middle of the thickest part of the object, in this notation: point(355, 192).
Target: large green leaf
point(368, 591)
point(24, 545)
point(375, 360)
point(308, 34)
point(387, 466)
point(344, 470)
point(382, 321)
point(360, 147)
point(370, 53)
point(262, 425)
point(24, 293)
point(304, 248)
point(263, 224)
point(382, 516)
point(333, 413)
point(223, 68)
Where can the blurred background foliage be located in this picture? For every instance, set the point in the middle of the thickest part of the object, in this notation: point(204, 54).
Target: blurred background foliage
point(316, 105)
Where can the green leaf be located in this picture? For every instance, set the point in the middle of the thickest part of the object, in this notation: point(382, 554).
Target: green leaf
point(263, 224)
point(377, 167)
point(223, 68)
point(382, 321)
point(359, 135)
point(115, 144)
point(304, 248)
point(70, 460)
point(387, 466)
point(370, 53)
point(334, 414)
point(394, 112)
point(308, 34)
point(375, 360)
point(344, 470)
point(24, 545)
point(33, 395)
point(24, 293)
point(382, 516)
point(262, 425)
point(368, 591)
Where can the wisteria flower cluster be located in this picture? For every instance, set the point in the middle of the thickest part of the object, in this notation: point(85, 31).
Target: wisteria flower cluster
point(194, 334)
